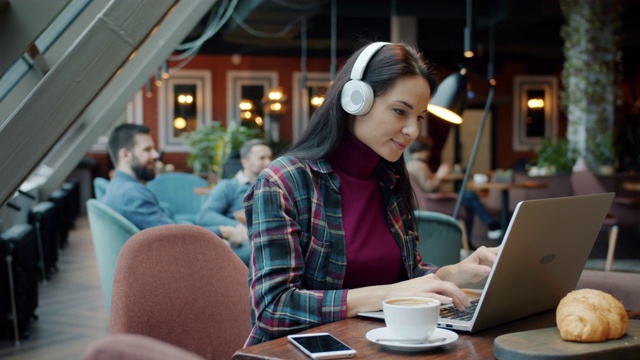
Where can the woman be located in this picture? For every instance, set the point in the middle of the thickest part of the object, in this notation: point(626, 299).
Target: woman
point(331, 221)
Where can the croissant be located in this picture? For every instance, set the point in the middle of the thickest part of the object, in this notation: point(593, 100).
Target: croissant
point(588, 315)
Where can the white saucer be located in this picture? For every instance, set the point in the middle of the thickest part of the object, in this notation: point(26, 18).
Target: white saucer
point(384, 333)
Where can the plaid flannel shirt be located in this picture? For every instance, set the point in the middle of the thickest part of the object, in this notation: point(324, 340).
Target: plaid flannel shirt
point(298, 260)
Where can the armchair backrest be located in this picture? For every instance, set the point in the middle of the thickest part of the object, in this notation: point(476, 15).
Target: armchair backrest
point(109, 231)
point(135, 347)
point(177, 190)
point(183, 285)
point(420, 202)
point(584, 182)
point(442, 202)
point(100, 187)
point(440, 238)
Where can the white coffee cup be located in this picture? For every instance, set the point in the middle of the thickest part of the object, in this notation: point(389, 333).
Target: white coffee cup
point(480, 178)
point(411, 318)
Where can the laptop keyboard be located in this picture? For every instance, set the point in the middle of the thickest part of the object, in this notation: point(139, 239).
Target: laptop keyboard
point(450, 312)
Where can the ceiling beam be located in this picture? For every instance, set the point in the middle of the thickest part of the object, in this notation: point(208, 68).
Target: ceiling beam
point(20, 25)
point(109, 106)
point(47, 112)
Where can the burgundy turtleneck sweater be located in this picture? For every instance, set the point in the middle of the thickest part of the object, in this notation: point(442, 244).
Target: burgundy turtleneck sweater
point(373, 256)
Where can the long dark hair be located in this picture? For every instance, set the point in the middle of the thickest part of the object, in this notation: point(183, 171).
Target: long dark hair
point(328, 124)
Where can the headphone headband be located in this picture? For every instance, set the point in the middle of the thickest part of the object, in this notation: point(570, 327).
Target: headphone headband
point(363, 59)
point(357, 95)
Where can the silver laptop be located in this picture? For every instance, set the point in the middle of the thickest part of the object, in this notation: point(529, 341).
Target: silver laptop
point(545, 249)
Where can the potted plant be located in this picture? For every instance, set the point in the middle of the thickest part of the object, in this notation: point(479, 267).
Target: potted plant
point(211, 145)
point(553, 158)
point(603, 154)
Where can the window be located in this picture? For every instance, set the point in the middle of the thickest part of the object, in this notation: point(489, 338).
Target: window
point(315, 87)
point(251, 86)
point(184, 104)
point(535, 111)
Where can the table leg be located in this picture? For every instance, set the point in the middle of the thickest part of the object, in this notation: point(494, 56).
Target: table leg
point(504, 210)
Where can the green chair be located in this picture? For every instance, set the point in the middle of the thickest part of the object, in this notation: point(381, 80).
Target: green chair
point(178, 191)
point(100, 187)
point(109, 231)
point(441, 237)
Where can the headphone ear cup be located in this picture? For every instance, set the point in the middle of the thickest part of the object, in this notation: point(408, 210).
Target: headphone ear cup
point(357, 97)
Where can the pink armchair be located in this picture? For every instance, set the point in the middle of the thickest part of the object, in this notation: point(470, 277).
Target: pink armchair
point(183, 285)
point(625, 211)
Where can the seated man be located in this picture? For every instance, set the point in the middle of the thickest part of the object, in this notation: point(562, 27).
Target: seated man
point(133, 153)
point(223, 205)
point(421, 174)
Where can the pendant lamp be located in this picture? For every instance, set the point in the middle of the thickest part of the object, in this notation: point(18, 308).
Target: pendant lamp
point(450, 99)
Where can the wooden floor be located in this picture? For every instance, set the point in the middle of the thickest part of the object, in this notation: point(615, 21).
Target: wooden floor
point(71, 310)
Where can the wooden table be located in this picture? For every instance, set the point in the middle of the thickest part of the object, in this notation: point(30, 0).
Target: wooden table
point(453, 177)
point(631, 185)
point(504, 188)
point(353, 331)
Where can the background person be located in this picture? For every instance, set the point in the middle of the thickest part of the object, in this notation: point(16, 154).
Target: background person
point(223, 206)
point(134, 156)
point(331, 221)
point(428, 181)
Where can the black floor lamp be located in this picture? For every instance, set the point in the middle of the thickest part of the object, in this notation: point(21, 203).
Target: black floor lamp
point(448, 104)
point(450, 99)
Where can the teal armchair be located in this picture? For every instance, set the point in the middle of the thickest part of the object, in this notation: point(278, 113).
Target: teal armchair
point(109, 231)
point(100, 187)
point(441, 237)
point(177, 191)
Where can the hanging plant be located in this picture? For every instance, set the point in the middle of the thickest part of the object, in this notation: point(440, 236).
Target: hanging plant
point(590, 76)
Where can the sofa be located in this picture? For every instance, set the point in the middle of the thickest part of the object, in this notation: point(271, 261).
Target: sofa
point(623, 286)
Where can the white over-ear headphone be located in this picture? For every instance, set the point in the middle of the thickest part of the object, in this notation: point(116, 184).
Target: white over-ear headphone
point(357, 95)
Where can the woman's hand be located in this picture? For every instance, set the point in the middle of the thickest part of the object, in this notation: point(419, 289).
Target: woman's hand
point(443, 285)
point(433, 287)
point(236, 235)
point(370, 298)
point(472, 269)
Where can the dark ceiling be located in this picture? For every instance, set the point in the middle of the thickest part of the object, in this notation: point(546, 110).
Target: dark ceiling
point(524, 29)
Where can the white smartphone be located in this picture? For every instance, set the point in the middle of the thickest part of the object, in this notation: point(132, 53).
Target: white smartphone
point(322, 346)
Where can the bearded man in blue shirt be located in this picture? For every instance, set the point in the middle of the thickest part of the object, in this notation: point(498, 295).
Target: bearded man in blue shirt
point(133, 152)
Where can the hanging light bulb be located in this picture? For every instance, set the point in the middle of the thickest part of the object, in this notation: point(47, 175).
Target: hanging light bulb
point(245, 105)
point(148, 93)
point(535, 103)
point(158, 79)
point(317, 101)
point(275, 107)
point(179, 123)
point(468, 51)
point(276, 94)
point(185, 99)
point(165, 71)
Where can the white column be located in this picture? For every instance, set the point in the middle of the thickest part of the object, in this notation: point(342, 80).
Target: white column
point(403, 28)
